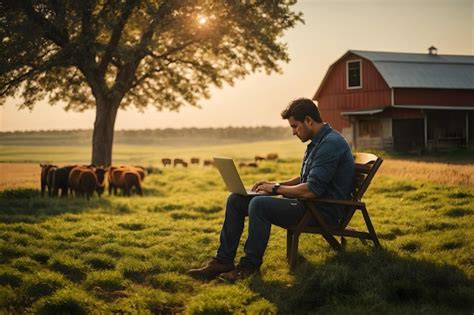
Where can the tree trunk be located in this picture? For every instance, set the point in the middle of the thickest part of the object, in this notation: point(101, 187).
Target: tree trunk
point(103, 136)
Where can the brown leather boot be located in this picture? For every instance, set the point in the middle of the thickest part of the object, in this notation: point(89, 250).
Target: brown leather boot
point(239, 273)
point(213, 268)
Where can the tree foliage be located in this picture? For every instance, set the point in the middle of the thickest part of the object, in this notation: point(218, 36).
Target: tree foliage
point(136, 52)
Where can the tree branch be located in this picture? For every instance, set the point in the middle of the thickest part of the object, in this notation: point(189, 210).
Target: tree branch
point(54, 61)
point(59, 37)
point(86, 23)
point(116, 35)
point(140, 49)
point(144, 77)
point(172, 50)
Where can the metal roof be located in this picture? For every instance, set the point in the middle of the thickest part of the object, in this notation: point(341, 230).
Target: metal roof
point(412, 57)
point(408, 70)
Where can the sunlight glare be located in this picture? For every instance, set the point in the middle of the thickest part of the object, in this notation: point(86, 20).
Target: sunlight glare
point(202, 19)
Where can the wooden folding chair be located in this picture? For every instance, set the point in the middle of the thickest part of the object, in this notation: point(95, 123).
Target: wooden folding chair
point(366, 166)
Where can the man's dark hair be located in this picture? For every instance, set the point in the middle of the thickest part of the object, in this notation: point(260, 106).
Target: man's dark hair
point(300, 108)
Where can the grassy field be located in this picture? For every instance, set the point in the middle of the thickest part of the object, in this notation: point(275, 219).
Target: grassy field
point(129, 255)
point(150, 155)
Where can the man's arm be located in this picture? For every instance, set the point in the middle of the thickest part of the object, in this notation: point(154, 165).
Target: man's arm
point(295, 191)
point(321, 172)
point(290, 182)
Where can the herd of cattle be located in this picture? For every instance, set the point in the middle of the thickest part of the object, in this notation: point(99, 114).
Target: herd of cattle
point(196, 161)
point(84, 180)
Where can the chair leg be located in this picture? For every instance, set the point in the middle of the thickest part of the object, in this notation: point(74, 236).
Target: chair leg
point(332, 241)
point(294, 251)
point(343, 242)
point(370, 227)
point(289, 239)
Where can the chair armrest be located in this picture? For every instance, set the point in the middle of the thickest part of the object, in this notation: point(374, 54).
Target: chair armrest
point(336, 202)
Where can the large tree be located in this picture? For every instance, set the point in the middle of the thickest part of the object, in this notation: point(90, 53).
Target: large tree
point(111, 54)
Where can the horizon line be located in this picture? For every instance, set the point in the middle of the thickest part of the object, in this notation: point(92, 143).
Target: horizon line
point(143, 129)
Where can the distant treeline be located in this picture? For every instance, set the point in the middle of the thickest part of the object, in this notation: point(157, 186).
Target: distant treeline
point(167, 136)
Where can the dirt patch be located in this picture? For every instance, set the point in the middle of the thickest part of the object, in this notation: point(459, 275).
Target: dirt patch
point(14, 175)
point(442, 173)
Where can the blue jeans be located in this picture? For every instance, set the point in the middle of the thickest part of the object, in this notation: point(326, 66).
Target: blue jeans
point(263, 211)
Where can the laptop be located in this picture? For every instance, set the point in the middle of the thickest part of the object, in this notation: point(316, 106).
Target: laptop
point(231, 177)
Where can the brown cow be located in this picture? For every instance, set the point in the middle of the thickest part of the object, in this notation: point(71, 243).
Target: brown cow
point(195, 160)
point(208, 163)
point(250, 164)
point(73, 180)
point(114, 179)
point(125, 179)
point(272, 156)
point(166, 162)
point(100, 174)
point(61, 180)
point(87, 183)
point(139, 169)
point(74, 174)
point(153, 170)
point(180, 161)
point(259, 158)
point(128, 179)
point(109, 171)
point(83, 181)
point(50, 179)
point(44, 176)
point(140, 172)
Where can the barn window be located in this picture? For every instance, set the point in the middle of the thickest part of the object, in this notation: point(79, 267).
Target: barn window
point(369, 128)
point(354, 77)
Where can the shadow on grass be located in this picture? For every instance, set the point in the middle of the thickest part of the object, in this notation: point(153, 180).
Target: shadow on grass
point(27, 205)
point(371, 282)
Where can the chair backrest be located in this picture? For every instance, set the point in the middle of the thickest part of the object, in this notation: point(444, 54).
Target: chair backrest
point(366, 165)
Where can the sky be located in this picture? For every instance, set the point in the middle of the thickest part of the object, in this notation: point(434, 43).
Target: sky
point(331, 28)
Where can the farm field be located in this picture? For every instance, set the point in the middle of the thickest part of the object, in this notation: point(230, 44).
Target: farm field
point(19, 164)
point(150, 155)
point(130, 254)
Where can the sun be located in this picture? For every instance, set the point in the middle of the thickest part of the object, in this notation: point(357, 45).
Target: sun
point(202, 19)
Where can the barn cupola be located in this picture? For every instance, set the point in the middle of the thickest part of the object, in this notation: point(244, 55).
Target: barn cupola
point(433, 51)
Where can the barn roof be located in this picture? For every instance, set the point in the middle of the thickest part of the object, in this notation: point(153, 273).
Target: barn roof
point(409, 70)
point(405, 70)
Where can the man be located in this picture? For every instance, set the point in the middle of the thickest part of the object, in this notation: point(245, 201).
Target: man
point(327, 172)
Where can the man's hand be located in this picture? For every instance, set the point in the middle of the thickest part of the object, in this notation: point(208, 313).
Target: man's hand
point(262, 182)
point(265, 187)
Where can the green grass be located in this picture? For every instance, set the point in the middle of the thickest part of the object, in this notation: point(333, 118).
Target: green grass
point(130, 255)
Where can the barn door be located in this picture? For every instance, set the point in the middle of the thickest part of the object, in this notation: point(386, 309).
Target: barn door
point(408, 134)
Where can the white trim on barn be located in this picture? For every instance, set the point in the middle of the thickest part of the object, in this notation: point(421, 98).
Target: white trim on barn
point(360, 74)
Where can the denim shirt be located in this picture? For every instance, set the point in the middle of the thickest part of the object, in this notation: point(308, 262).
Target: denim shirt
point(328, 169)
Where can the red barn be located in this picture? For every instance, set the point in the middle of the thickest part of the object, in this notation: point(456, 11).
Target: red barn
point(400, 101)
